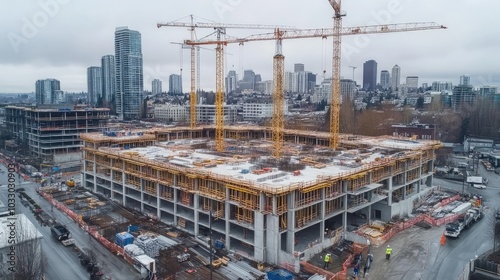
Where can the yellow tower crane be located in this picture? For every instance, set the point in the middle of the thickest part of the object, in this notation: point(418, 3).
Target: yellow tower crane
point(278, 62)
point(335, 97)
point(220, 29)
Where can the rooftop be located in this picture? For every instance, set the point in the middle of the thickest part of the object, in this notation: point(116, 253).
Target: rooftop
point(24, 230)
point(249, 162)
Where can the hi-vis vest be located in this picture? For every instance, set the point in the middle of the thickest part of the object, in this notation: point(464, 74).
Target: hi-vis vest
point(388, 251)
point(327, 258)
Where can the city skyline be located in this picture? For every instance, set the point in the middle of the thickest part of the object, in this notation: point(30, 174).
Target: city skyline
point(40, 41)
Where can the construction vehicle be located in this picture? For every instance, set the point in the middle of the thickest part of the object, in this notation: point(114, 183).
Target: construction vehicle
point(70, 183)
point(62, 234)
point(477, 213)
point(453, 229)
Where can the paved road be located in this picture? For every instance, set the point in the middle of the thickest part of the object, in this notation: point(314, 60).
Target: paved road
point(418, 254)
point(62, 263)
point(111, 265)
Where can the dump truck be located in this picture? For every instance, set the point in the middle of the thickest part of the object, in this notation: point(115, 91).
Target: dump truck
point(467, 220)
point(477, 213)
point(62, 234)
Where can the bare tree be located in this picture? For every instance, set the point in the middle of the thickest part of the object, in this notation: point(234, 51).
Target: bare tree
point(30, 259)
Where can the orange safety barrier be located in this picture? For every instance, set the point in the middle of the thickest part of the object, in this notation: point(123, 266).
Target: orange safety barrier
point(92, 231)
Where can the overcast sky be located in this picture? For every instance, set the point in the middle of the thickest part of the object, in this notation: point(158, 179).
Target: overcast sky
point(61, 38)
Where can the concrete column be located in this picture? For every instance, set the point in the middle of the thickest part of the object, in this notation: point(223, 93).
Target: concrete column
point(273, 239)
point(344, 214)
point(227, 210)
point(430, 181)
point(259, 237)
point(176, 201)
point(389, 186)
point(290, 234)
point(323, 207)
point(141, 190)
point(158, 211)
point(196, 203)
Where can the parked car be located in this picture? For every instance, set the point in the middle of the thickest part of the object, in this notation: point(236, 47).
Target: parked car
point(479, 186)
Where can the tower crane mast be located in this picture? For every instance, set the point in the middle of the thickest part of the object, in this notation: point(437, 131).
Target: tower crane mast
point(278, 65)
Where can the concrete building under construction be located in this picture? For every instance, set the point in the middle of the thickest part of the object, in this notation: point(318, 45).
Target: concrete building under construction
point(264, 209)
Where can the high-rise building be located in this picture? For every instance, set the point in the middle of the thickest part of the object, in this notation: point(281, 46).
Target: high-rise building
point(396, 78)
point(288, 82)
point(175, 84)
point(462, 95)
point(231, 81)
point(156, 87)
point(425, 86)
point(385, 79)
point(465, 80)
point(108, 81)
point(412, 83)
point(298, 67)
point(94, 85)
point(128, 73)
point(347, 89)
point(248, 81)
point(441, 86)
point(46, 91)
point(370, 75)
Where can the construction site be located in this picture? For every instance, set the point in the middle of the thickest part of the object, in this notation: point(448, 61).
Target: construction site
point(278, 211)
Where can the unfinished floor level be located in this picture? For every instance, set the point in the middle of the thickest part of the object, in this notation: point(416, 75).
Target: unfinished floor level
point(269, 210)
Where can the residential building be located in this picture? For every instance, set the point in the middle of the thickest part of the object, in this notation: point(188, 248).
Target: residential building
point(347, 89)
point(108, 81)
point(248, 81)
point(128, 73)
point(46, 91)
point(298, 67)
point(415, 130)
point(465, 80)
point(205, 114)
point(396, 78)
point(370, 75)
point(385, 79)
point(156, 87)
point(231, 82)
point(171, 113)
point(487, 90)
point(264, 87)
point(94, 85)
point(462, 95)
point(256, 111)
point(175, 84)
point(269, 215)
point(471, 144)
point(52, 132)
point(442, 86)
point(425, 86)
point(412, 83)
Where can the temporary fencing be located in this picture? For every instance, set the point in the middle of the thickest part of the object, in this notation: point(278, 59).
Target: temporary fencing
point(91, 230)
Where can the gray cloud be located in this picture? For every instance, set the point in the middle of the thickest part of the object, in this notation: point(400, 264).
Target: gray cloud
point(61, 38)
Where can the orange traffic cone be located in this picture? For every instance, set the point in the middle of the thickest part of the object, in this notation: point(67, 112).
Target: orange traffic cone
point(443, 239)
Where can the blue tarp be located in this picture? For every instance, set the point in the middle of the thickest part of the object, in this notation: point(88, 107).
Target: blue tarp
point(279, 274)
point(124, 238)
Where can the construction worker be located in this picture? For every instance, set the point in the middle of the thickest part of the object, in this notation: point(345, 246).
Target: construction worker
point(388, 252)
point(327, 261)
point(368, 263)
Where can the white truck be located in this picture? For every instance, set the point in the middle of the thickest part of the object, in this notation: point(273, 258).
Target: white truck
point(477, 180)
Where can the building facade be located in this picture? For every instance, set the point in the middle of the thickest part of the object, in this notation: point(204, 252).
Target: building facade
point(462, 95)
point(46, 91)
point(415, 130)
point(171, 113)
point(175, 84)
point(108, 81)
point(128, 73)
point(156, 87)
point(396, 78)
point(385, 79)
point(231, 82)
point(370, 75)
point(258, 111)
point(465, 80)
point(52, 132)
point(412, 83)
point(94, 85)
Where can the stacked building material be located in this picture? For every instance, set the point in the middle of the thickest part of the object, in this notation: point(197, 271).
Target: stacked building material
point(149, 244)
point(133, 250)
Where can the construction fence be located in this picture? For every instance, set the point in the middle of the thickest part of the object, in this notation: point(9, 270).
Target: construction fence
point(91, 230)
point(398, 227)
